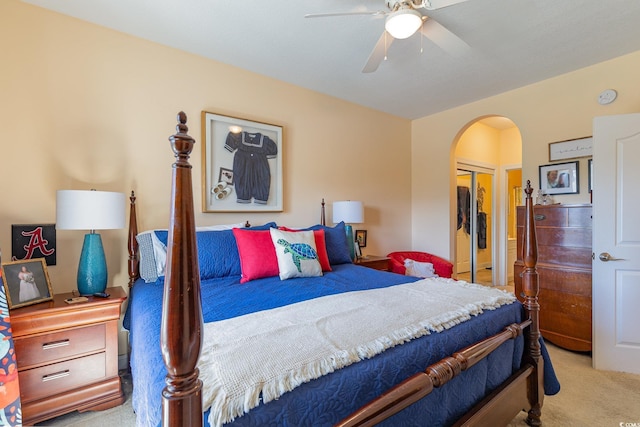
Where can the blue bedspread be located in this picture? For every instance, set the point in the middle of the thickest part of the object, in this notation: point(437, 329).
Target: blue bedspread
point(324, 401)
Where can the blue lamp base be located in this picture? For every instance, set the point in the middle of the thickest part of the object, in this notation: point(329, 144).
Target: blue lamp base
point(350, 241)
point(92, 270)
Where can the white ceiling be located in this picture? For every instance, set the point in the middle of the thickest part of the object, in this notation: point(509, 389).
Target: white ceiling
point(513, 43)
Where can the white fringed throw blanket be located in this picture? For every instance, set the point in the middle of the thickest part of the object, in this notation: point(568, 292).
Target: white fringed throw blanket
point(273, 351)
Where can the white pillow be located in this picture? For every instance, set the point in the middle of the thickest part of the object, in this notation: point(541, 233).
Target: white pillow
point(153, 253)
point(296, 253)
point(419, 269)
point(220, 227)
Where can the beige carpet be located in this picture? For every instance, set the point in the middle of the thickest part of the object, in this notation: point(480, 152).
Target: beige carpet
point(588, 398)
point(120, 416)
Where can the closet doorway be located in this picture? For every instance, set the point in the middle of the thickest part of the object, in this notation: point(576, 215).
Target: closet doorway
point(487, 151)
point(475, 219)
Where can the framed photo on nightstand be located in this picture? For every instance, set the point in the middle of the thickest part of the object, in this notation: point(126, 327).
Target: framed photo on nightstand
point(357, 250)
point(26, 282)
point(361, 238)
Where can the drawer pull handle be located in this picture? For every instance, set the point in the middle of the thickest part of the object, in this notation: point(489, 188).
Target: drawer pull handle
point(56, 376)
point(55, 344)
point(539, 217)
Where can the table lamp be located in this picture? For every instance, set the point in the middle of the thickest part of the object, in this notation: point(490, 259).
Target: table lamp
point(90, 210)
point(350, 212)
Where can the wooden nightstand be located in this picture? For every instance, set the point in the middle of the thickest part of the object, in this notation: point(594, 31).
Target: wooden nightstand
point(375, 262)
point(68, 355)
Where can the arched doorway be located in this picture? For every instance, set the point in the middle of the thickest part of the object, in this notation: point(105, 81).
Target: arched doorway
point(488, 158)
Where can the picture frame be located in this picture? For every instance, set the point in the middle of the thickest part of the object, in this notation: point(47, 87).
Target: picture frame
point(30, 241)
point(559, 178)
point(357, 250)
point(571, 149)
point(26, 282)
point(226, 176)
point(361, 238)
point(234, 152)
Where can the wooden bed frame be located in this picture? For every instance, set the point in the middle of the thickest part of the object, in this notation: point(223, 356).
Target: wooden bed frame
point(181, 335)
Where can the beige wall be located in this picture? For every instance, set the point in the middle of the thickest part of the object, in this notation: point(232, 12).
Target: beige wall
point(552, 110)
point(480, 143)
point(86, 107)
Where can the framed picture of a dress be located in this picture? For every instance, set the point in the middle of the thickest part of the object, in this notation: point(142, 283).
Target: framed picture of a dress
point(26, 282)
point(241, 165)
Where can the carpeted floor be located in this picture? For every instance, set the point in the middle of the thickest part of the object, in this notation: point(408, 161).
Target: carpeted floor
point(588, 398)
point(120, 416)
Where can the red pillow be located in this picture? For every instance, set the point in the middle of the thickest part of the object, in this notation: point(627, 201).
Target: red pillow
point(257, 254)
point(321, 247)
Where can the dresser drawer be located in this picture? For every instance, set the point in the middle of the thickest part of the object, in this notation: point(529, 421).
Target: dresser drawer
point(558, 216)
point(65, 344)
point(59, 377)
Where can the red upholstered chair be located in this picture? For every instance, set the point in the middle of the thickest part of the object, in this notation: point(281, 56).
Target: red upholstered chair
point(442, 267)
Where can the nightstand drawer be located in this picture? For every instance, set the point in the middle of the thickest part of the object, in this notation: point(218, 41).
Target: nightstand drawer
point(67, 355)
point(40, 349)
point(60, 377)
point(375, 262)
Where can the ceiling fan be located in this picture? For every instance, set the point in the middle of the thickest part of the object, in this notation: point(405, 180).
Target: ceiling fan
point(403, 20)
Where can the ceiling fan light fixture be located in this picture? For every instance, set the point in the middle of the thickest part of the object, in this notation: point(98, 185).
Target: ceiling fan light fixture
point(403, 23)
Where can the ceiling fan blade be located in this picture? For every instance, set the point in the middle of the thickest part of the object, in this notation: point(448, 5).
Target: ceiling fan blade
point(325, 15)
point(439, 4)
point(444, 38)
point(378, 53)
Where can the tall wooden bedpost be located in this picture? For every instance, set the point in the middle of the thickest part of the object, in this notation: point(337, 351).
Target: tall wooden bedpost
point(181, 336)
point(132, 243)
point(531, 288)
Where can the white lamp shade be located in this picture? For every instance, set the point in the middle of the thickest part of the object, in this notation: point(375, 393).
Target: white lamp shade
point(403, 23)
point(89, 210)
point(351, 212)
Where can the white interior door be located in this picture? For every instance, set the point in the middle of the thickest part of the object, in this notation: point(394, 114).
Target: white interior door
point(616, 243)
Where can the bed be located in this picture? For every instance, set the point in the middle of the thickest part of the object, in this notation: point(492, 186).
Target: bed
point(215, 316)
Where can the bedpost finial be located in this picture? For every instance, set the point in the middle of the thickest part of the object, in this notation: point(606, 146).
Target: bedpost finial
point(528, 189)
point(132, 197)
point(181, 142)
point(181, 127)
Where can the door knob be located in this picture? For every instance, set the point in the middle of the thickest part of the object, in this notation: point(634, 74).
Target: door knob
point(604, 256)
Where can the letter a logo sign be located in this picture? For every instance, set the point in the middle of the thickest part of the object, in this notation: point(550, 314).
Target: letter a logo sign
point(34, 241)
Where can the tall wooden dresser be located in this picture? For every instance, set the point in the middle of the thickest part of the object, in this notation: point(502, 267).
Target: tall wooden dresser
point(564, 268)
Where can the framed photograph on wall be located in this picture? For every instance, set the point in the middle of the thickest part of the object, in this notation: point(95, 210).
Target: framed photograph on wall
point(559, 178)
point(571, 149)
point(241, 165)
point(26, 282)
